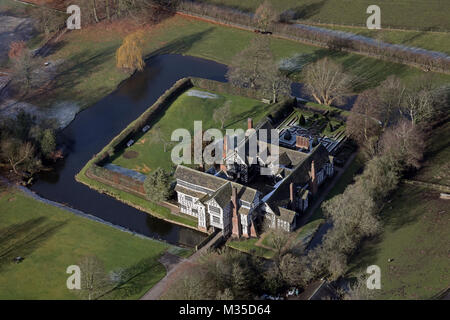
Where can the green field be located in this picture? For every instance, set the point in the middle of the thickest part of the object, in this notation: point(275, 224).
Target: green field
point(249, 246)
point(413, 14)
point(436, 41)
point(51, 239)
point(149, 153)
point(436, 168)
point(88, 73)
point(415, 233)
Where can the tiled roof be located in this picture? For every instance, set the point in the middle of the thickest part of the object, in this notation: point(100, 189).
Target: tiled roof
point(212, 182)
point(189, 192)
point(287, 215)
point(299, 176)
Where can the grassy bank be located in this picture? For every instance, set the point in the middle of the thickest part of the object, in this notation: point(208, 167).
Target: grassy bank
point(88, 73)
point(436, 41)
point(415, 14)
point(135, 201)
point(415, 233)
point(51, 239)
point(148, 154)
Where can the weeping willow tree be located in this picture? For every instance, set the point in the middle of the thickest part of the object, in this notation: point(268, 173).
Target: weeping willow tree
point(129, 54)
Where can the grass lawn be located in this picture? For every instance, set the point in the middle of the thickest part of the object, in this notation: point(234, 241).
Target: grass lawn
point(406, 14)
point(249, 246)
point(305, 233)
point(148, 154)
point(415, 233)
point(88, 73)
point(436, 41)
point(51, 239)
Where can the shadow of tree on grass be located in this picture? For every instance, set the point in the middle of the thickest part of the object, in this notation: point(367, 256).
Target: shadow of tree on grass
point(135, 279)
point(24, 238)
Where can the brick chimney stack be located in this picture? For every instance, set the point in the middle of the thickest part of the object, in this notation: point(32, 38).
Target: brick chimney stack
point(235, 221)
point(223, 165)
point(313, 176)
point(302, 142)
point(253, 230)
point(291, 195)
point(249, 123)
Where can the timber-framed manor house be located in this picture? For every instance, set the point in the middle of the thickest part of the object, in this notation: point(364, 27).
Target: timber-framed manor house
point(237, 199)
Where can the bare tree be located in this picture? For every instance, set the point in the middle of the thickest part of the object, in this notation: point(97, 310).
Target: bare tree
point(223, 113)
point(17, 153)
point(47, 20)
point(362, 123)
point(358, 289)
point(94, 279)
point(418, 105)
point(404, 142)
point(23, 67)
point(246, 68)
point(278, 239)
point(326, 81)
point(265, 16)
point(157, 136)
point(291, 270)
point(275, 83)
point(391, 93)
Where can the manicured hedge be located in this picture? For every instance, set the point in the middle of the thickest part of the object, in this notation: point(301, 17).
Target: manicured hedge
point(281, 110)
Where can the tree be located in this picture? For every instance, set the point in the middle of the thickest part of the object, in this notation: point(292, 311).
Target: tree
point(302, 120)
point(47, 20)
point(247, 67)
point(94, 279)
point(157, 185)
point(265, 16)
point(158, 137)
point(129, 54)
point(16, 152)
point(380, 177)
point(362, 123)
point(418, 105)
point(404, 143)
point(223, 113)
point(391, 94)
point(278, 240)
point(326, 81)
point(358, 289)
point(48, 143)
point(353, 217)
point(22, 69)
point(290, 268)
point(227, 294)
point(255, 68)
point(275, 83)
